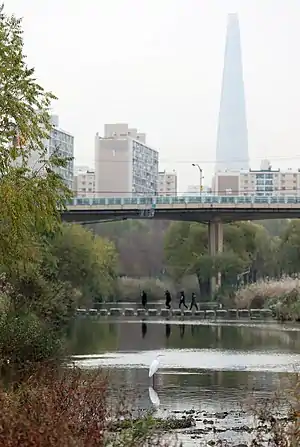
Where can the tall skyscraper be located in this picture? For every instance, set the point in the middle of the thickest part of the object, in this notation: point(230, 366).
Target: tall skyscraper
point(232, 139)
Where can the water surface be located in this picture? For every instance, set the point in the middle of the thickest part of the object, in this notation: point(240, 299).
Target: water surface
point(208, 367)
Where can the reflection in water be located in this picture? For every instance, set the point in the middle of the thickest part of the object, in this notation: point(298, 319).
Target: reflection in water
point(90, 336)
point(144, 329)
point(181, 330)
point(153, 396)
point(208, 367)
point(168, 330)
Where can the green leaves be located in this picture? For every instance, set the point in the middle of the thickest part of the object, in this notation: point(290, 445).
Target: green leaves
point(31, 197)
point(289, 248)
point(186, 250)
point(88, 262)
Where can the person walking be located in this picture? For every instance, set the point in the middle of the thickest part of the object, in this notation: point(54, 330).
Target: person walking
point(144, 299)
point(182, 300)
point(168, 299)
point(193, 302)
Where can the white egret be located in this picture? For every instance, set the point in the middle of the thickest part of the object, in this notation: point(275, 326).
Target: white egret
point(154, 366)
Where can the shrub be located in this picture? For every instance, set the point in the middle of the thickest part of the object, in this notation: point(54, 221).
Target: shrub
point(25, 338)
point(34, 315)
point(130, 288)
point(277, 419)
point(268, 292)
point(71, 407)
point(51, 408)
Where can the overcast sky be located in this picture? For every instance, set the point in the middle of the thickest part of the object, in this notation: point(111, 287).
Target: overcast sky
point(157, 64)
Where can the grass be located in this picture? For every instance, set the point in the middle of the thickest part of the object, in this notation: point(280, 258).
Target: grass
point(277, 420)
point(282, 296)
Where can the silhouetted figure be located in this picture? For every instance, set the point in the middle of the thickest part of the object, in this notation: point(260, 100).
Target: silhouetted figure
point(168, 299)
point(168, 330)
point(182, 300)
point(193, 302)
point(181, 330)
point(144, 329)
point(144, 298)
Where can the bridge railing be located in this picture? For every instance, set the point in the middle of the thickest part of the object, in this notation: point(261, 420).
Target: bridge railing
point(151, 201)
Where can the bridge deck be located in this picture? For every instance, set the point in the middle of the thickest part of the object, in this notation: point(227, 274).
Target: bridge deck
point(196, 208)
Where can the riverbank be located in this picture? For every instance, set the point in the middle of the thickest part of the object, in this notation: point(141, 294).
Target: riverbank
point(61, 407)
point(281, 296)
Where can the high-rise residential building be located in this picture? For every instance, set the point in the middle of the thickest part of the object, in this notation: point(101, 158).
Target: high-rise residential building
point(232, 138)
point(62, 143)
point(167, 183)
point(263, 182)
point(124, 164)
point(84, 182)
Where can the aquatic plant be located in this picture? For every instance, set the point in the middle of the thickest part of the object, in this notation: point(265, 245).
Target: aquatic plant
point(277, 419)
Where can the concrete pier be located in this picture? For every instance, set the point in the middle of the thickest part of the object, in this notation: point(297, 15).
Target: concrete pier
point(208, 314)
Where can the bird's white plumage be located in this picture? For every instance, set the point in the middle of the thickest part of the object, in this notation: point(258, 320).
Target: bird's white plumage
point(154, 366)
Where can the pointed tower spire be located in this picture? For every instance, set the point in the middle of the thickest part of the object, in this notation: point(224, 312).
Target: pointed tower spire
point(232, 139)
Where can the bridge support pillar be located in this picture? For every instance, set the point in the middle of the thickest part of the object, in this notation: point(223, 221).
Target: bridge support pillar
point(215, 246)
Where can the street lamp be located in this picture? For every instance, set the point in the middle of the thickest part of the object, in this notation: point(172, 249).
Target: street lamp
point(200, 174)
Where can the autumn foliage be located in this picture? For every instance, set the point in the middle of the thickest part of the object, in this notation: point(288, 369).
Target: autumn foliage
point(55, 408)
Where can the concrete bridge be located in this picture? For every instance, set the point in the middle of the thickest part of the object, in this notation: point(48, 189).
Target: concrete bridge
point(204, 208)
point(209, 314)
point(211, 209)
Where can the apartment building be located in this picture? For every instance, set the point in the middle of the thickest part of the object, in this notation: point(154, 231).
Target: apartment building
point(124, 164)
point(167, 183)
point(84, 183)
point(61, 143)
point(262, 182)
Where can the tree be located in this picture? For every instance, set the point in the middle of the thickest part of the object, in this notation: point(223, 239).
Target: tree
point(252, 243)
point(30, 199)
point(289, 248)
point(186, 251)
point(86, 261)
point(139, 244)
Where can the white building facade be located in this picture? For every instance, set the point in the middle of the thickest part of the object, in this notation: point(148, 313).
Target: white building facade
point(62, 142)
point(167, 183)
point(263, 182)
point(84, 183)
point(124, 164)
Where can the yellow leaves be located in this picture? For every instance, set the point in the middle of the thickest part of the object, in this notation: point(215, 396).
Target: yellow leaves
point(87, 261)
point(28, 209)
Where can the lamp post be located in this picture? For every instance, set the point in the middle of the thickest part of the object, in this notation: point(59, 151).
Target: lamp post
point(200, 175)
